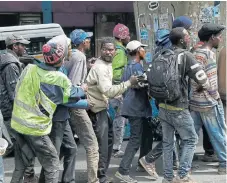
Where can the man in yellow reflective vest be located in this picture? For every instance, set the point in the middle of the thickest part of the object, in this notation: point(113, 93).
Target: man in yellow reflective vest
point(38, 92)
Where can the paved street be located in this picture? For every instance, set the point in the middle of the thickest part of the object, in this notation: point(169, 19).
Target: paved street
point(206, 173)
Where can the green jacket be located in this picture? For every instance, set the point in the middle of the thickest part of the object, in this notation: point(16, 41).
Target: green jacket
point(119, 62)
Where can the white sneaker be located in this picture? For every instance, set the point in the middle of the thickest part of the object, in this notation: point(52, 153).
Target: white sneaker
point(149, 167)
point(125, 178)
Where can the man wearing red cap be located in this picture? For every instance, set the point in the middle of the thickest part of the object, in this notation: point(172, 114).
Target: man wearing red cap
point(122, 37)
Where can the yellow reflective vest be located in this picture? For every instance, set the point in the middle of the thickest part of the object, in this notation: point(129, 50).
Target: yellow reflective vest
point(27, 117)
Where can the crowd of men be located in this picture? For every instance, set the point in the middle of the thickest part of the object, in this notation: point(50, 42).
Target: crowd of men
point(45, 104)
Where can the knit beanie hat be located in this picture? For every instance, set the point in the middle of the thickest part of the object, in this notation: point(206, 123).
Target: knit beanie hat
point(121, 31)
point(55, 50)
point(182, 21)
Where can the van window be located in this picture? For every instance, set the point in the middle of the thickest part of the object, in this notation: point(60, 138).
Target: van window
point(2, 45)
point(35, 46)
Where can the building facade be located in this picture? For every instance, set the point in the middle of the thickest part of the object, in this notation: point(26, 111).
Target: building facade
point(98, 17)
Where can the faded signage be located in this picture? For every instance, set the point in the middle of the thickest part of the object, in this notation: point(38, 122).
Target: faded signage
point(144, 34)
point(155, 16)
point(164, 21)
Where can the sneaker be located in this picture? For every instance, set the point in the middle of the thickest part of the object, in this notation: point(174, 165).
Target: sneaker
point(210, 158)
point(125, 178)
point(222, 170)
point(166, 181)
point(186, 179)
point(149, 167)
point(118, 154)
point(33, 179)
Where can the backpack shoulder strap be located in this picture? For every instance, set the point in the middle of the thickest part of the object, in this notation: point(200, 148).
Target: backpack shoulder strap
point(184, 67)
point(167, 50)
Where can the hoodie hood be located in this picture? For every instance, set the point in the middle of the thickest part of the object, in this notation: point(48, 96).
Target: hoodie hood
point(8, 57)
point(162, 37)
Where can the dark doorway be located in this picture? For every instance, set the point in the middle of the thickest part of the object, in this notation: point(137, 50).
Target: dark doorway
point(9, 19)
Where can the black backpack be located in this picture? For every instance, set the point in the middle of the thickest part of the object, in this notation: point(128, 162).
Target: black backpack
point(163, 76)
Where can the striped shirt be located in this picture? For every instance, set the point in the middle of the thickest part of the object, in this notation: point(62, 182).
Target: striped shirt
point(206, 99)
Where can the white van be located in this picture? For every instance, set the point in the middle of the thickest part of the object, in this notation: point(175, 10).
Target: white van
point(38, 35)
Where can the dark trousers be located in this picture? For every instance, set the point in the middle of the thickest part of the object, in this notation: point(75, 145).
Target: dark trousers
point(27, 147)
point(207, 146)
point(62, 137)
point(133, 145)
point(146, 140)
point(103, 127)
point(29, 170)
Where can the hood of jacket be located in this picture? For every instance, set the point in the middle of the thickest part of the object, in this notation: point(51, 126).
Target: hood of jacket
point(162, 38)
point(7, 58)
point(44, 66)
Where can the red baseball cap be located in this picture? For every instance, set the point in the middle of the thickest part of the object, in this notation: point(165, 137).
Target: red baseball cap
point(121, 31)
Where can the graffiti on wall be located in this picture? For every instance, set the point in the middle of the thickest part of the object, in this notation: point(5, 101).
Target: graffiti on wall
point(207, 14)
point(164, 21)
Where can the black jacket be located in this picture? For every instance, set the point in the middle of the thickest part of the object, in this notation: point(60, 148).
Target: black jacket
point(10, 70)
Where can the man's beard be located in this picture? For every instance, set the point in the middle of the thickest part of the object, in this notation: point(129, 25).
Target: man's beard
point(142, 58)
point(107, 58)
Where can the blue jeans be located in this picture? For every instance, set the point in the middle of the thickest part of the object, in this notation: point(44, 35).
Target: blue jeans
point(1, 170)
point(214, 122)
point(182, 122)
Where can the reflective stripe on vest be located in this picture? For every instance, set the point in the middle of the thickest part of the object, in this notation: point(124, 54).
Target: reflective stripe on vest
point(31, 125)
point(46, 104)
point(29, 108)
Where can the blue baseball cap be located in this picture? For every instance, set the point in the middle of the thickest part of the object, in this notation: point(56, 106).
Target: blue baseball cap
point(78, 36)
